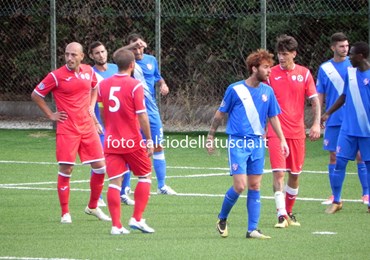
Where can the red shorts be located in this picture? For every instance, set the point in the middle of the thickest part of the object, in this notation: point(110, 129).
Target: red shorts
point(118, 164)
point(294, 162)
point(87, 146)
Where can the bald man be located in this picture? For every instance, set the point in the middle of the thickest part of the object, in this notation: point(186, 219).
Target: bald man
point(74, 90)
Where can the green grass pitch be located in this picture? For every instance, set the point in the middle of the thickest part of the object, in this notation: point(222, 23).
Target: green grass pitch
point(185, 224)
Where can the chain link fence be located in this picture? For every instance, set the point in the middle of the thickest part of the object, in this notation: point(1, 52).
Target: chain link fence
point(201, 44)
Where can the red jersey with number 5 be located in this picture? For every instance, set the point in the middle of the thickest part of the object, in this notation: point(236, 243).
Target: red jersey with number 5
point(122, 98)
point(291, 88)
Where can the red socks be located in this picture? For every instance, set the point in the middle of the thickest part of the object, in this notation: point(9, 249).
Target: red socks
point(114, 204)
point(63, 191)
point(141, 196)
point(96, 187)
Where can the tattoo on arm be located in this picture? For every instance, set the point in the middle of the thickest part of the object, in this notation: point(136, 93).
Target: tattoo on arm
point(316, 110)
point(215, 124)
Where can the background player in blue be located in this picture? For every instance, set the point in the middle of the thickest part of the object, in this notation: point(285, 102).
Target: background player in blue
point(354, 134)
point(98, 53)
point(249, 103)
point(330, 83)
point(147, 71)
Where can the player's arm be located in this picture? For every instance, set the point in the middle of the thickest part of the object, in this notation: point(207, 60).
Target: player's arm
point(138, 44)
point(321, 97)
point(145, 127)
point(275, 123)
point(337, 104)
point(314, 133)
point(93, 99)
point(216, 122)
point(40, 101)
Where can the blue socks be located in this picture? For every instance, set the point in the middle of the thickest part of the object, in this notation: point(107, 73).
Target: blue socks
point(253, 208)
point(230, 199)
point(331, 168)
point(338, 178)
point(125, 182)
point(362, 175)
point(159, 163)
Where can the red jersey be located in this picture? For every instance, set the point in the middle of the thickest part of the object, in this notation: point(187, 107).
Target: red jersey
point(72, 94)
point(122, 98)
point(291, 88)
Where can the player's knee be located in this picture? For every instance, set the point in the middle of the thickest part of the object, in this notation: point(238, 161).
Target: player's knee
point(341, 164)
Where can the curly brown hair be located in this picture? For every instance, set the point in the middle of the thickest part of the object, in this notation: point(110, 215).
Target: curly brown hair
point(257, 57)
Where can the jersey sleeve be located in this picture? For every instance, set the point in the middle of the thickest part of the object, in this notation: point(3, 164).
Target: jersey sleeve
point(157, 74)
point(95, 79)
point(320, 86)
point(139, 101)
point(227, 101)
point(46, 85)
point(274, 108)
point(310, 85)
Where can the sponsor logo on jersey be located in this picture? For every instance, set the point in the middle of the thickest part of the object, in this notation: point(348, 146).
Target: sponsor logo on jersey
point(41, 86)
point(68, 79)
point(277, 78)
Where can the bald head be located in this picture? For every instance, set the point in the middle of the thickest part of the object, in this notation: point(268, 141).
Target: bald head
point(74, 55)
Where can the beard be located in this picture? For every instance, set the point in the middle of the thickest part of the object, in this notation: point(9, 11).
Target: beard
point(100, 63)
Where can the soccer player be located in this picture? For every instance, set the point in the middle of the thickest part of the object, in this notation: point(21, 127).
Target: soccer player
point(291, 83)
point(330, 82)
point(147, 71)
point(121, 100)
point(249, 104)
point(98, 53)
point(74, 89)
point(354, 133)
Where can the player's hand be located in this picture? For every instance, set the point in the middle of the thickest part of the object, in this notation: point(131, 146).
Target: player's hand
point(149, 147)
point(284, 149)
point(323, 119)
point(314, 132)
point(164, 90)
point(99, 128)
point(59, 116)
point(140, 43)
point(210, 145)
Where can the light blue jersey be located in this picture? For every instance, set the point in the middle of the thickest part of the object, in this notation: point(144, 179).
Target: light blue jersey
point(356, 121)
point(248, 109)
point(330, 82)
point(150, 103)
point(146, 70)
point(150, 70)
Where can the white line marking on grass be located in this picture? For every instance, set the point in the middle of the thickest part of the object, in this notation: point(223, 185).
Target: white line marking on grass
point(169, 167)
point(2, 186)
point(24, 186)
point(324, 233)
